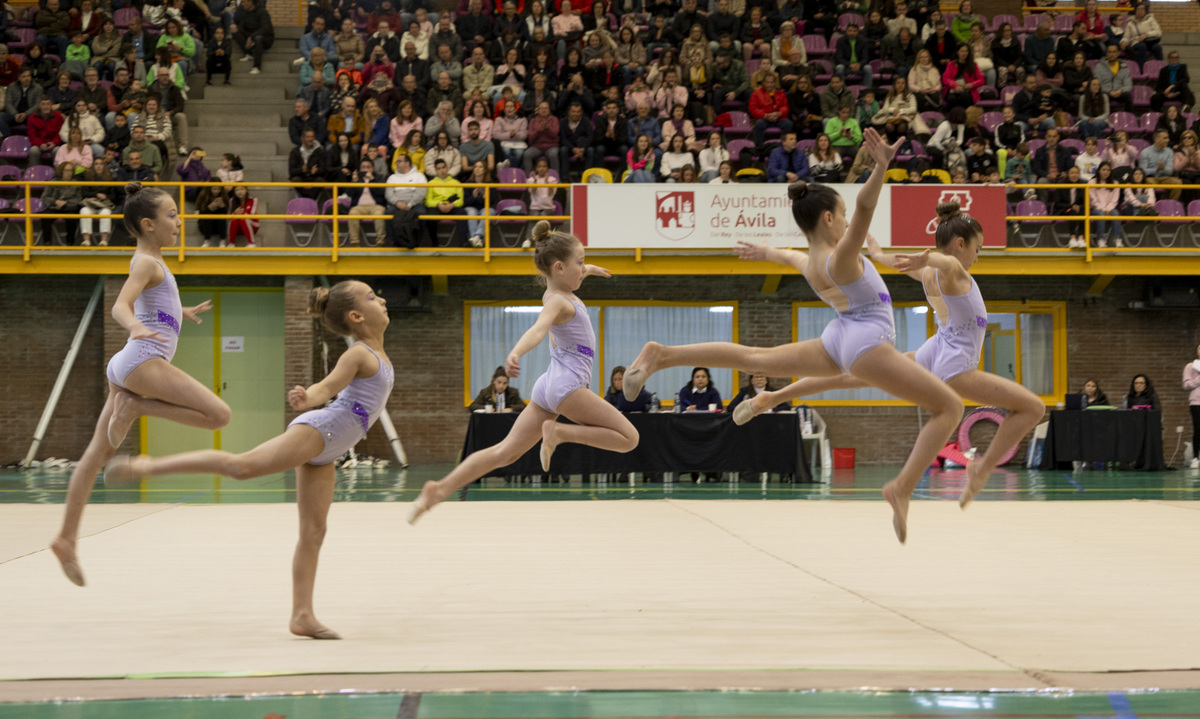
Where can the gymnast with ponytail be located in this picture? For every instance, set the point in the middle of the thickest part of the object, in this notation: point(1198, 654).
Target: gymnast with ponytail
point(361, 382)
point(952, 354)
point(860, 341)
point(565, 388)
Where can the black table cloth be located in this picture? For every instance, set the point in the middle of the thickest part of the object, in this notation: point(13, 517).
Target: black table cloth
point(685, 442)
point(1133, 438)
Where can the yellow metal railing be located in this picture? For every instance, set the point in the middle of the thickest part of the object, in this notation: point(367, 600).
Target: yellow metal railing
point(487, 218)
point(1087, 218)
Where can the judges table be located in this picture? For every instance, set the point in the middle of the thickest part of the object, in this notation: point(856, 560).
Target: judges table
point(1132, 437)
point(685, 442)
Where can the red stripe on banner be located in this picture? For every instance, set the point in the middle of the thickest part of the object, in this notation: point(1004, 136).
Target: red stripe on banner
point(914, 219)
point(579, 212)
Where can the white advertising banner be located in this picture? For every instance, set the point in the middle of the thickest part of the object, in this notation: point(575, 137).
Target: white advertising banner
point(698, 216)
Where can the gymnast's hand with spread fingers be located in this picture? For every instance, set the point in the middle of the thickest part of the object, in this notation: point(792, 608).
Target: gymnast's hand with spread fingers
point(193, 313)
point(512, 365)
point(592, 270)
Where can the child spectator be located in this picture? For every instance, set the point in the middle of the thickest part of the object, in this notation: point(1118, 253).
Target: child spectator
point(220, 50)
point(212, 200)
point(241, 203)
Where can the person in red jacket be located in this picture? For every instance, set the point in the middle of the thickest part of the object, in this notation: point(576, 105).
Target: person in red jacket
point(43, 127)
point(962, 79)
point(769, 108)
point(9, 67)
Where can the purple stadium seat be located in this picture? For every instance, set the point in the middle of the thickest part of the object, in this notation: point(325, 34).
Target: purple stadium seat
point(735, 148)
point(1126, 121)
point(846, 18)
point(1142, 95)
point(1149, 121)
point(814, 45)
point(15, 147)
point(991, 120)
point(509, 207)
point(303, 206)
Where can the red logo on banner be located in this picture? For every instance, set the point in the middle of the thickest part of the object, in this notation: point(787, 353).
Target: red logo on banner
point(675, 214)
point(914, 216)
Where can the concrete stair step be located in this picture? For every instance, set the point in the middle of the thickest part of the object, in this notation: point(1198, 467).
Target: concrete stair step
point(240, 108)
point(269, 137)
point(214, 119)
point(242, 148)
point(247, 95)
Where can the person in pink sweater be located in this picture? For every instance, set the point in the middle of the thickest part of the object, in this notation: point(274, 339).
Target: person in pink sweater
point(962, 79)
point(1105, 197)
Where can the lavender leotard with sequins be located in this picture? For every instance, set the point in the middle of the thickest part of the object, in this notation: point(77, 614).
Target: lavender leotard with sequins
point(572, 349)
point(866, 323)
point(157, 308)
point(344, 423)
point(959, 340)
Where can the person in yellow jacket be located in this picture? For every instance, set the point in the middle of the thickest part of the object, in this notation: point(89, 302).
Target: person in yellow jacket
point(444, 197)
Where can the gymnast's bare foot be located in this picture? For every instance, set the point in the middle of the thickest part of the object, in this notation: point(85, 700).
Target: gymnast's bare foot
point(65, 551)
point(548, 443)
point(645, 365)
point(123, 416)
point(306, 625)
point(431, 495)
point(746, 411)
point(976, 481)
point(899, 501)
point(124, 469)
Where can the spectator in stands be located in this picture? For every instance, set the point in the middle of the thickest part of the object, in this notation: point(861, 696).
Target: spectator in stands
point(788, 163)
point(1105, 199)
point(851, 55)
point(1009, 134)
point(348, 120)
point(1052, 160)
point(179, 44)
point(901, 50)
point(253, 32)
point(97, 199)
point(219, 53)
point(443, 197)
point(644, 123)
point(844, 131)
point(442, 149)
point(1038, 46)
point(478, 75)
point(241, 203)
point(1173, 84)
point(804, 108)
point(1114, 76)
point(475, 202)
point(444, 91)
point(1050, 74)
point(1068, 201)
point(669, 94)
point(925, 81)
point(961, 25)
point(91, 131)
point(677, 124)
point(474, 27)
point(343, 160)
point(757, 33)
point(769, 108)
point(1027, 105)
point(117, 138)
point(724, 174)
point(366, 201)
point(106, 48)
point(1019, 168)
point(1093, 110)
point(142, 40)
point(375, 122)
point(1007, 56)
point(835, 97)
point(316, 94)
point(93, 93)
point(1187, 160)
point(10, 68)
point(414, 147)
point(899, 112)
point(78, 56)
point(211, 201)
point(73, 150)
point(674, 159)
point(378, 64)
point(949, 141)
point(509, 74)
point(477, 149)
point(641, 160)
point(61, 94)
point(1092, 20)
point(44, 125)
point(576, 137)
point(445, 35)
point(171, 102)
point(1173, 123)
point(351, 50)
point(391, 43)
point(1076, 75)
point(406, 203)
point(318, 39)
point(723, 22)
point(962, 79)
point(575, 91)
point(383, 12)
point(308, 162)
point(44, 67)
point(538, 92)
point(158, 129)
point(543, 137)
point(1144, 34)
point(1139, 201)
point(1120, 154)
point(1089, 160)
point(134, 67)
point(64, 198)
point(132, 170)
point(712, 156)
point(823, 18)
point(52, 24)
point(192, 169)
point(444, 119)
point(412, 64)
point(1078, 41)
point(303, 119)
point(511, 131)
point(411, 91)
point(942, 46)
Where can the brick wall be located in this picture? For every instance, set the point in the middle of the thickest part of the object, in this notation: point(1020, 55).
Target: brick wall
point(1105, 342)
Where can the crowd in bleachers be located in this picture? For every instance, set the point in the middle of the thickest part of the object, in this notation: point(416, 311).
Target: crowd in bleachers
point(635, 91)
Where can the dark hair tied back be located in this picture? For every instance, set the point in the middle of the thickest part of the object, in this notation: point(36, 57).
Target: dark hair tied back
point(797, 190)
point(550, 247)
point(141, 203)
point(810, 202)
point(953, 223)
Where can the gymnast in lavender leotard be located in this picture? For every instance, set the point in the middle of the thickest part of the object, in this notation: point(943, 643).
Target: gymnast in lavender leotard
point(865, 324)
point(961, 328)
point(348, 417)
point(571, 353)
point(565, 387)
point(157, 308)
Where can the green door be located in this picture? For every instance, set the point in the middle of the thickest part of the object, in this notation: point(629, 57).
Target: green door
point(238, 351)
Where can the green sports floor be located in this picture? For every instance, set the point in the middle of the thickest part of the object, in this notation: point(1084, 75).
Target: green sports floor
point(395, 485)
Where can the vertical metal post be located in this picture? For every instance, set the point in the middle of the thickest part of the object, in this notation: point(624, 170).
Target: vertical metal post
point(487, 224)
point(28, 221)
point(1087, 225)
point(182, 224)
point(334, 235)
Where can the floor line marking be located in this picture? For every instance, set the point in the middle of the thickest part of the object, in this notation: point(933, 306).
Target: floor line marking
point(409, 706)
point(1072, 481)
point(1120, 704)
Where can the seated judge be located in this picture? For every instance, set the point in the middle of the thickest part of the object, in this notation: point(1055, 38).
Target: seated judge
point(499, 394)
